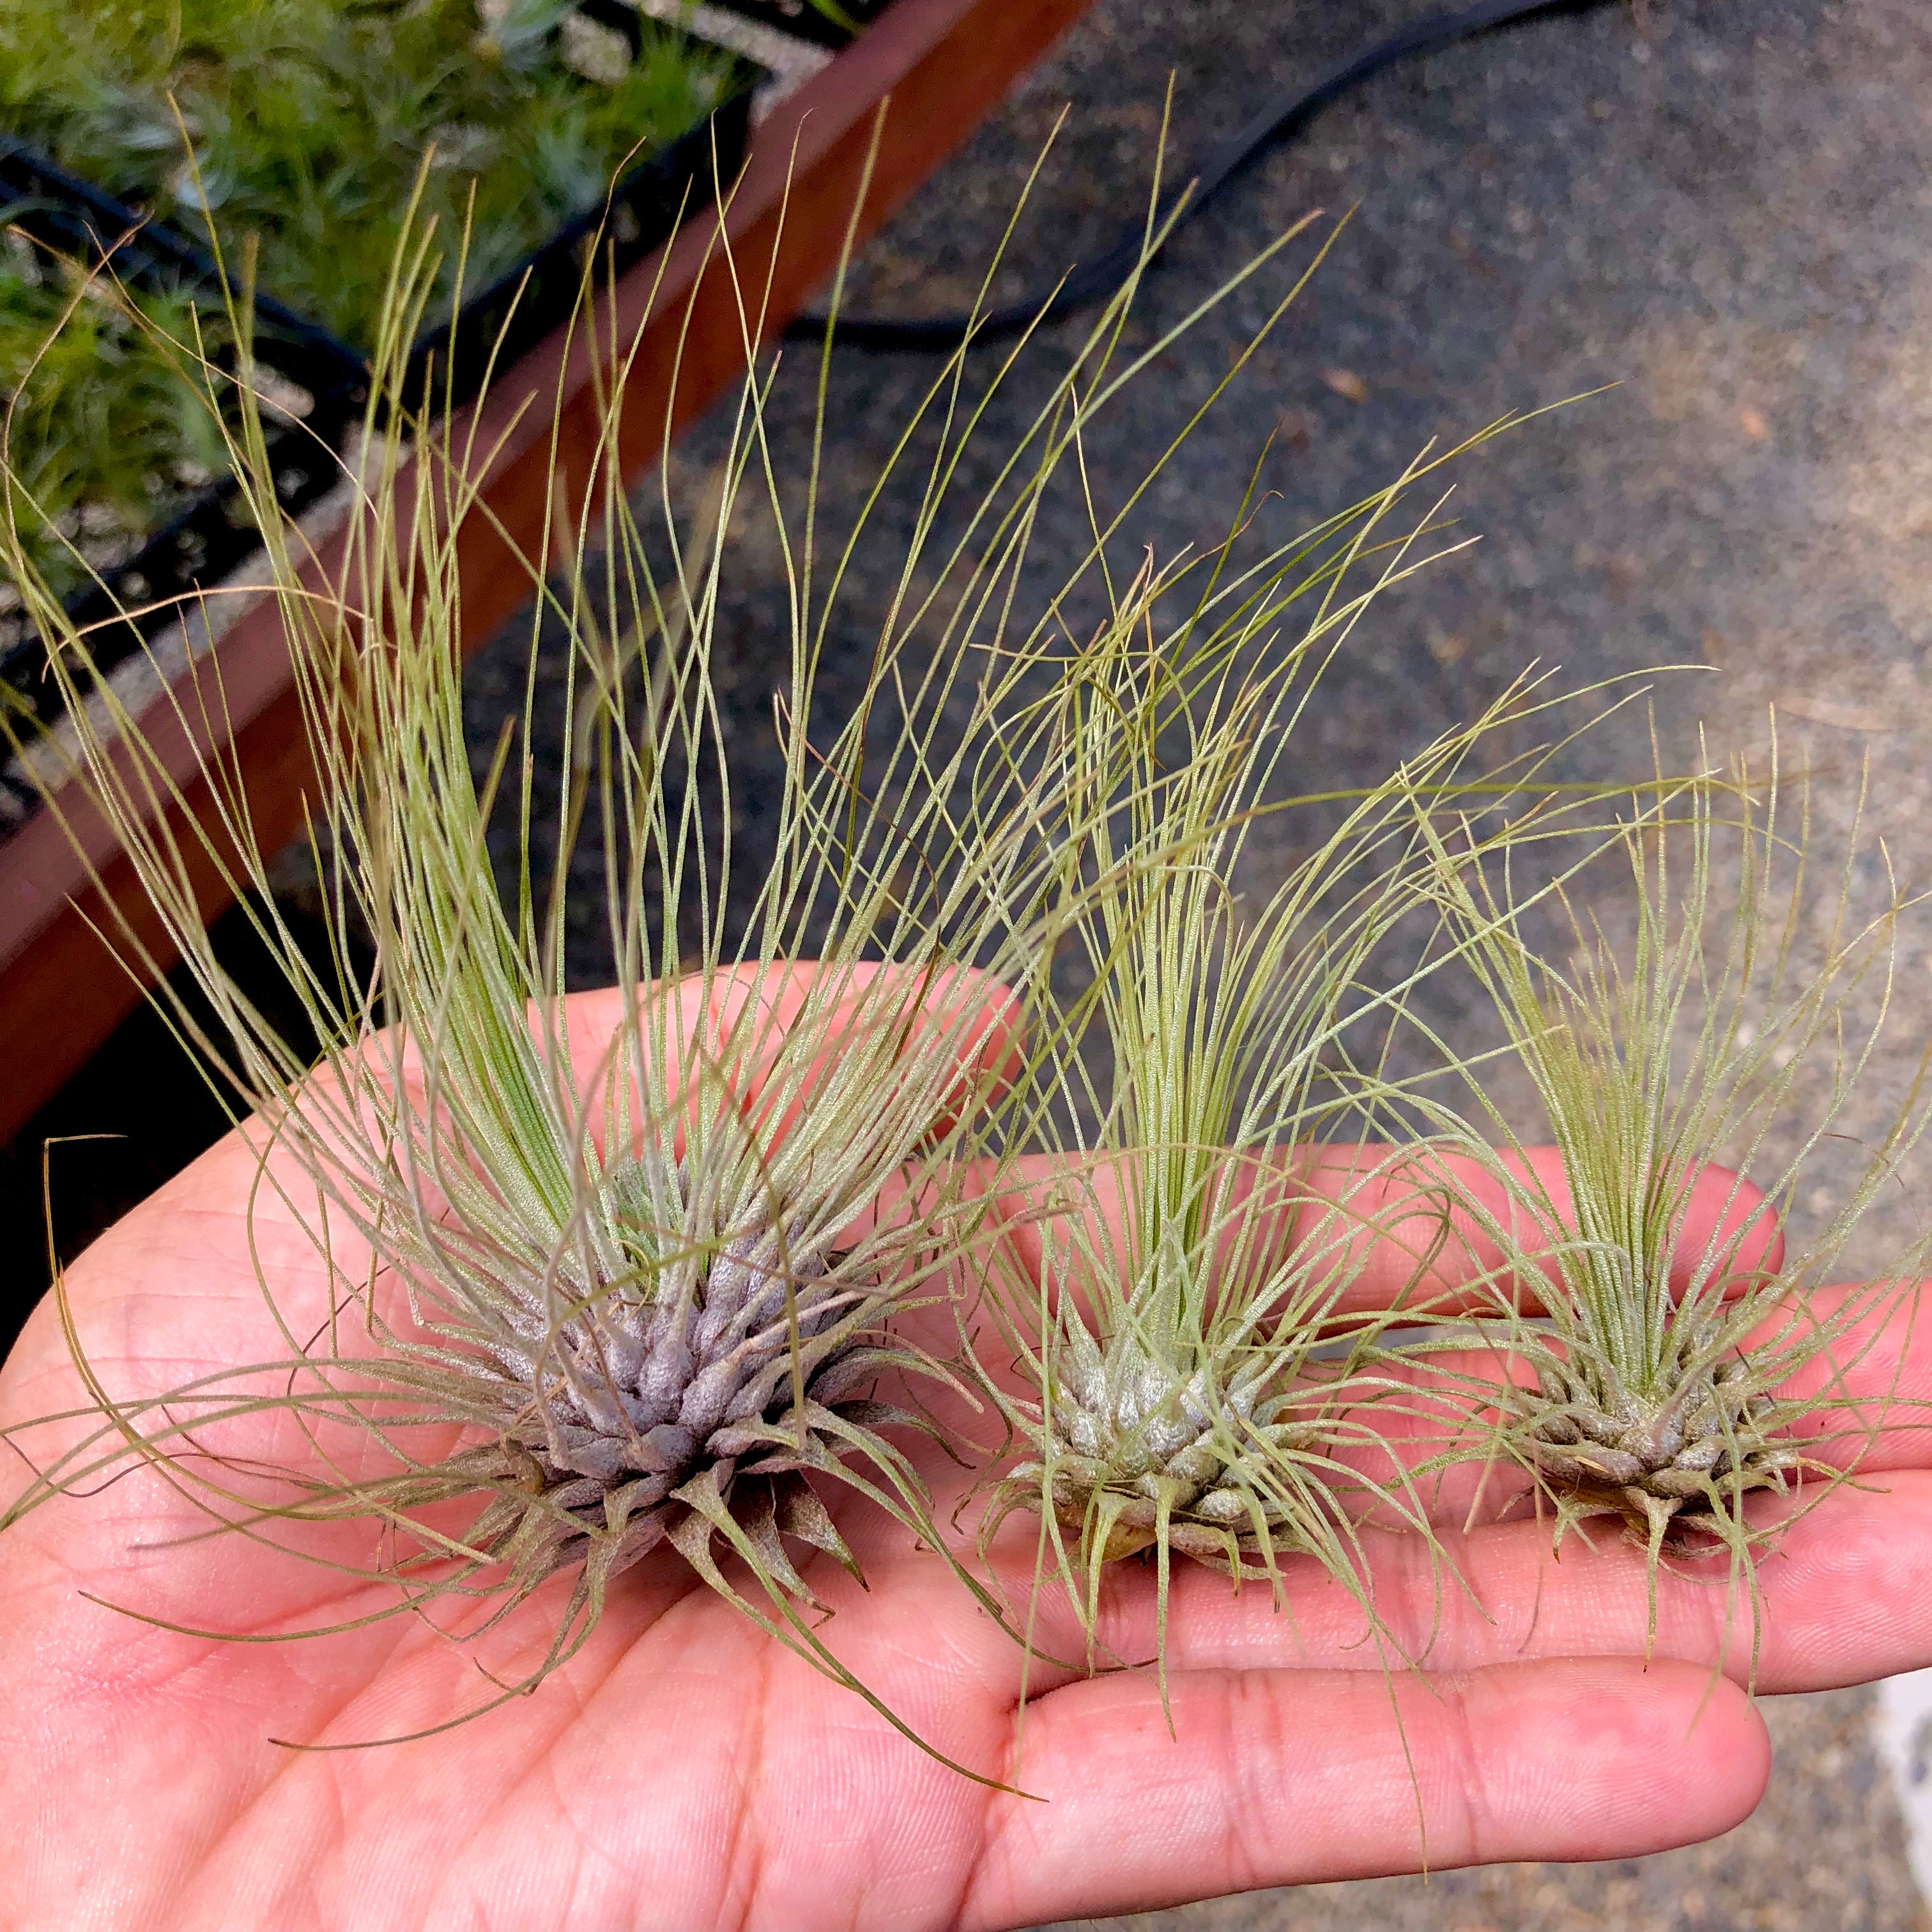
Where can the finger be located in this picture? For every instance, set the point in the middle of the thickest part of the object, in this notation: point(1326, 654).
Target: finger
point(1272, 1778)
point(1871, 1381)
point(219, 1272)
point(1839, 1587)
point(1432, 1221)
point(777, 1035)
point(905, 1050)
point(1835, 1598)
point(1397, 1231)
point(166, 1286)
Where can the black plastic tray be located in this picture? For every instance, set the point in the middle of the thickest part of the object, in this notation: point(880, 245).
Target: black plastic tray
point(805, 22)
point(530, 299)
point(204, 540)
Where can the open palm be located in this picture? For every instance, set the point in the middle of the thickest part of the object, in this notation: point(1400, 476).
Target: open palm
point(682, 1770)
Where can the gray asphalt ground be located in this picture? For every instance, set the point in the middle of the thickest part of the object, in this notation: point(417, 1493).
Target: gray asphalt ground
point(1721, 206)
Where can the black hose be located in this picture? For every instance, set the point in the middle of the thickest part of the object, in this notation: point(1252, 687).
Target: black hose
point(1278, 121)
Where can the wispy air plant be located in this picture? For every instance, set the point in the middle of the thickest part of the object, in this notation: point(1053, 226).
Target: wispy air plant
point(580, 1304)
point(1181, 1386)
point(1660, 1378)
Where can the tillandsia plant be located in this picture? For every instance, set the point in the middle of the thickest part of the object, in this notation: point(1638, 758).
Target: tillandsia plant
point(576, 1283)
point(1193, 1379)
point(1680, 1366)
point(307, 120)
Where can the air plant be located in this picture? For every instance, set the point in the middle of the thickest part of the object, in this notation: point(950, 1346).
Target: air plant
point(1187, 1375)
point(307, 121)
point(571, 1306)
point(1665, 1383)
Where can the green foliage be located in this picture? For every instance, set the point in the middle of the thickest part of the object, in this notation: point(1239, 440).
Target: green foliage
point(310, 119)
point(1186, 1267)
point(108, 433)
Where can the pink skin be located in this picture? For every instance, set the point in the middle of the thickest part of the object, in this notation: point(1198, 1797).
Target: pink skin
point(684, 1771)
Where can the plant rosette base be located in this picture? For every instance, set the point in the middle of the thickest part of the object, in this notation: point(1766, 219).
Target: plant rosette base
point(1135, 1457)
point(1674, 1470)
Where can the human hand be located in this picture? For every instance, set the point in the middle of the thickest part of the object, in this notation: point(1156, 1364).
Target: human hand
point(682, 1770)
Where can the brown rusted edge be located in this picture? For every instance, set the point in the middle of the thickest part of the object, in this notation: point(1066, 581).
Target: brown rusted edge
point(919, 81)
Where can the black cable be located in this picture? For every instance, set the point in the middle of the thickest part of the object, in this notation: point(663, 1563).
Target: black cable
point(1099, 280)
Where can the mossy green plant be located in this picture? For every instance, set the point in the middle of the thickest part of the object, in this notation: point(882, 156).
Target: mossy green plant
point(108, 432)
point(306, 122)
